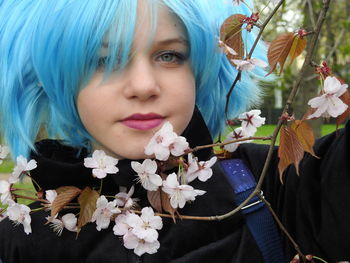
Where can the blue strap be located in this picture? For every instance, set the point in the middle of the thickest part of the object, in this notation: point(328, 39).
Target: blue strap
point(259, 219)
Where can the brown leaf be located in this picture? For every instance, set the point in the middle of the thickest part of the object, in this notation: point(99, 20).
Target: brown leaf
point(346, 99)
point(278, 51)
point(154, 198)
point(290, 150)
point(305, 135)
point(167, 206)
point(64, 196)
point(298, 46)
point(87, 200)
point(231, 35)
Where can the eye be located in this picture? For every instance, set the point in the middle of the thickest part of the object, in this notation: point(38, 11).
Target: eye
point(171, 57)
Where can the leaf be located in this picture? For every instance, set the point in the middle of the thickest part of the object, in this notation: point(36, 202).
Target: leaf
point(87, 200)
point(154, 198)
point(65, 194)
point(290, 151)
point(305, 135)
point(298, 46)
point(231, 35)
point(346, 99)
point(278, 51)
point(167, 206)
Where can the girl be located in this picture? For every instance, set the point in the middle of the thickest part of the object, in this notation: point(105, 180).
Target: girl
point(106, 75)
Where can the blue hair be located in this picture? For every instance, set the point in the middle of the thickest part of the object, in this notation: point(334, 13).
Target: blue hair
point(50, 49)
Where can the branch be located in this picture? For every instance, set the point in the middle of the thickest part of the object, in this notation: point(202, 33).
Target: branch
point(229, 142)
point(238, 77)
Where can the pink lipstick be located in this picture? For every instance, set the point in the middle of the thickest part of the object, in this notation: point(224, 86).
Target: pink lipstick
point(143, 122)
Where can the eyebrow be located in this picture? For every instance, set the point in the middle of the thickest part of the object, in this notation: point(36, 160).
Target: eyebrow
point(164, 42)
point(169, 41)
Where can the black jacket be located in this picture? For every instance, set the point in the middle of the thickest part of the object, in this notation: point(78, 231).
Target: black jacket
point(314, 207)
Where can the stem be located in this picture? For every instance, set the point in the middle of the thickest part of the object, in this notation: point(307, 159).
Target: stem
point(281, 226)
point(31, 198)
point(37, 209)
point(197, 148)
point(320, 259)
point(101, 184)
point(238, 77)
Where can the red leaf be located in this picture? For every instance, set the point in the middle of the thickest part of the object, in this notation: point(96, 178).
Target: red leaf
point(87, 201)
point(167, 206)
point(298, 46)
point(65, 194)
point(305, 135)
point(154, 198)
point(278, 51)
point(290, 150)
point(231, 35)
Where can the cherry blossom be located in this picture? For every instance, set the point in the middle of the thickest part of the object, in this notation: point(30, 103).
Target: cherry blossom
point(144, 226)
point(201, 169)
point(19, 213)
point(101, 163)
point(147, 174)
point(121, 225)
point(329, 104)
point(238, 133)
point(4, 151)
point(140, 246)
point(226, 49)
point(179, 194)
point(123, 198)
point(251, 120)
point(68, 221)
point(22, 165)
point(166, 141)
point(50, 196)
point(248, 64)
point(5, 191)
point(103, 213)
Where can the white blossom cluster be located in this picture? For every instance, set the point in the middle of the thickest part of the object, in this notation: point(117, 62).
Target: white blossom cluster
point(251, 120)
point(139, 232)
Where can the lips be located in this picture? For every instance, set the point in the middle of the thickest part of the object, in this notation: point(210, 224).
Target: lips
point(143, 122)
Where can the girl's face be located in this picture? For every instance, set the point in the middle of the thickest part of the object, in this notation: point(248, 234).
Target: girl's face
point(123, 112)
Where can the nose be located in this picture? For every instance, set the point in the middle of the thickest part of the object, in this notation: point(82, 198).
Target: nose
point(141, 80)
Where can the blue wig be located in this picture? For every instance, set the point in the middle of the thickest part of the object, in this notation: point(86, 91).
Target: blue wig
point(50, 49)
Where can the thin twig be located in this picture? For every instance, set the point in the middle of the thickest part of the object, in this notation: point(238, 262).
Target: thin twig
point(264, 138)
point(281, 226)
point(238, 77)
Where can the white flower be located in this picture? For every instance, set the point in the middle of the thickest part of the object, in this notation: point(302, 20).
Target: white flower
point(139, 232)
point(124, 199)
point(166, 141)
point(22, 165)
point(50, 196)
point(329, 104)
point(238, 133)
point(68, 221)
point(201, 169)
point(4, 151)
point(251, 120)
point(102, 164)
point(140, 246)
point(179, 194)
point(20, 215)
point(5, 191)
point(179, 146)
point(121, 226)
point(226, 49)
point(144, 226)
point(248, 64)
point(147, 174)
point(103, 213)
